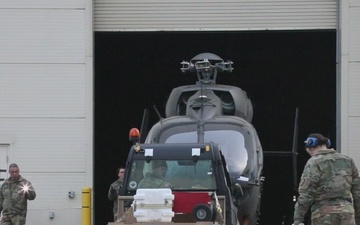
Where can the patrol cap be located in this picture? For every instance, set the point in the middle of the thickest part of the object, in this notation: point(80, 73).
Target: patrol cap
point(158, 163)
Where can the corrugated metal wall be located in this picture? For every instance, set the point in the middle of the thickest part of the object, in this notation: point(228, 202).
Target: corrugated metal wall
point(199, 15)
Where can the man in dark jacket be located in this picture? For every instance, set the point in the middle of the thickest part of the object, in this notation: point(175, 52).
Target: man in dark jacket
point(114, 189)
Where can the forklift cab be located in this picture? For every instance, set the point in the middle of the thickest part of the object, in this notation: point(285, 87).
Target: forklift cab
point(196, 174)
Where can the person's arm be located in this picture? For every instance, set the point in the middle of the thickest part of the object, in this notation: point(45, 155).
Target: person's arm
point(112, 193)
point(307, 192)
point(1, 198)
point(355, 191)
point(30, 194)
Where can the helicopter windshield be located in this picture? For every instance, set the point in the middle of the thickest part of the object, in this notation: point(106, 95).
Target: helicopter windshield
point(178, 175)
point(227, 139)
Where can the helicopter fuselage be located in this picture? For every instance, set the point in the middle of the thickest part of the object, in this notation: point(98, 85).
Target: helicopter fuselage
point(220, 114)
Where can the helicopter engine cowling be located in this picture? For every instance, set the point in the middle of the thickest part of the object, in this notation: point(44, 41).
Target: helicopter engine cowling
point(204, 105)
point(233, 100)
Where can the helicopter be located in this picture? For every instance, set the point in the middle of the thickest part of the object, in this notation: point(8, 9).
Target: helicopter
point(209, 112)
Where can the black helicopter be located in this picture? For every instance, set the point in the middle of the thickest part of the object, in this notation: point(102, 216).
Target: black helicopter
point(210, 112)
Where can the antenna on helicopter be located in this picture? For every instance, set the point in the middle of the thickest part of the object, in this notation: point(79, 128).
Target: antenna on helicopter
point(295, 152)
point(144, 126)
point(157, 112)
point(206, 66)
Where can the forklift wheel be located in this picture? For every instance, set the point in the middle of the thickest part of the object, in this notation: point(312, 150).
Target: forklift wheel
point(202, 212)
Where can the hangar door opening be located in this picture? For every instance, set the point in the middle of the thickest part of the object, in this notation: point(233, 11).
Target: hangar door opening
point(280, 70)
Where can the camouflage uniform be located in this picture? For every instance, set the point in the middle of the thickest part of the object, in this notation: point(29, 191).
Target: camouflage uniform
point(329, 185)
point(13, 200)
point(113, 194)
point(152, 181)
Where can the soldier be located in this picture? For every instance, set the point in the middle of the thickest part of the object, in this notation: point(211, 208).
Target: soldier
point(156, 178)
point(330, 185)
point(14, 193)
point(114, 190)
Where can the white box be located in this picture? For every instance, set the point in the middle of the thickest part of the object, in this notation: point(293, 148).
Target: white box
point(153, 205)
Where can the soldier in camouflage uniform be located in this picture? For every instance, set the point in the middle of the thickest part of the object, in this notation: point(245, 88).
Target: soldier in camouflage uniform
point(329, 185)
point(14, 193)
point(156, 178)
point(114, 190)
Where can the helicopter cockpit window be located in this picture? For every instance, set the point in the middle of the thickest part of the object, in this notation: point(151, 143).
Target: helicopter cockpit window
point(179, 175)
point(232, 143)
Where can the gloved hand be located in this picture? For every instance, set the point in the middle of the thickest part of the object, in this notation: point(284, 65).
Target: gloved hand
point(112, 190)
point(295, 223)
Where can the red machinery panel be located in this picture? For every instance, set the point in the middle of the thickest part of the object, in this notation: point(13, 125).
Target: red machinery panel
point(184, 202)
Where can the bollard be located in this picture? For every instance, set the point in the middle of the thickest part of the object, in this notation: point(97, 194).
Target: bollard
point(86, 206)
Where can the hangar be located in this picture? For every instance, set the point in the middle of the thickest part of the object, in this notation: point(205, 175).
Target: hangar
point(62, 62)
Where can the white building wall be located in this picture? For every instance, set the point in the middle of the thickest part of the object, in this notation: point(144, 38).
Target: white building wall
point(46, 92)
point(349, 81)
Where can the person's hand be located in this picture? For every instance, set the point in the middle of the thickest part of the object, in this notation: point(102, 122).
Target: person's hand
point(112, 191)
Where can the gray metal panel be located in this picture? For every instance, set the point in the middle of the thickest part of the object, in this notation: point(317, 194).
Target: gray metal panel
point(354, 33)
point(42, 36)
point(59, 181)
point(42, 4)
point(353, 140)
point(46, 94)
point(198, 15)
point(354, 60)
point(348, 126)
point(354, 89)
point(42, 90)
point(47, 144)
